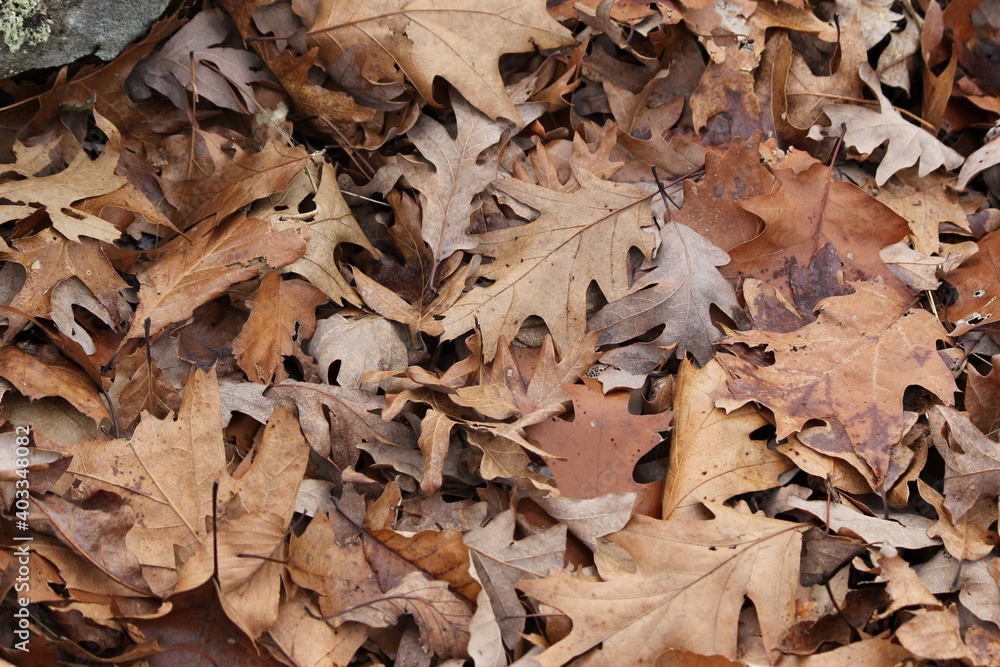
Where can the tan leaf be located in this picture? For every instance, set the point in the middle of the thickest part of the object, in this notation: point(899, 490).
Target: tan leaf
point(283, 313)
point(442, 617)
point(687, 571)
point(683, 285)
point(150, 391)
point(57, 193)
point(971, 460)
point(713, 455)
point(360, 344)
point(192, 271)
point(566, 246)
point(501, 562)
point(907, 143)
point(458, 40)
point(448, 192)
point(35, 379)
point(847, 366)
point(313, 200)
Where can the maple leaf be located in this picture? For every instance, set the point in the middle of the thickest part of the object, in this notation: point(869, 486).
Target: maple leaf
point(809, 211)
point(595, 453)
point(458, 40)
point(847, 366)
point(283, 313)
point(682, 286)
point(57, 194)
point(687, 571)
point(867, 130)
point(544, 267)
point(180, 65)
point(195, 269)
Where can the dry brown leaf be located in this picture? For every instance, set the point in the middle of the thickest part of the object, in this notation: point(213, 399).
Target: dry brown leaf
point(501, 562)
point(360, 345)
point(683, 284)
point(566, 246)
point(283, 314)
point(868, 129)
point(179, 66)
point(192, 271)
point(713, 455)
point(971, 460)
point(313, 200)
point(809, 211)
point(687, 571)
point(212, 177)
point(442, 617)
point(148, 390)
point(847, 366)
point(982, 398)
point(595, 453)
point(34, 379)
point(458, 40)
point(81, 179)
point(461, 170)
point(978, 283)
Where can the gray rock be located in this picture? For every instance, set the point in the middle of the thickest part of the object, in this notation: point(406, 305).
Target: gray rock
point(50, 33)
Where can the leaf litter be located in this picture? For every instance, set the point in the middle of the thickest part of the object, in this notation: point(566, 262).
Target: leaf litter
point(421, 333)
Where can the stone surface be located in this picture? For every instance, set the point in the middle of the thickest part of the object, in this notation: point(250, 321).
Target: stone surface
point(50, 33)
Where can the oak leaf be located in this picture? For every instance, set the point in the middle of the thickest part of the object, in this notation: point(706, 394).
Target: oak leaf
point(501, 562)
point(868, 129)
point(851, 365)
point(713, 454)
point(81, 179)
point(462, 169)
point(687, 571)
point(544, 267)
point(809, 211)
point(35, 379)
point(595, 453)
point(283, 314)
point(180, 66)
point(978, 283)
point(359, 344)
point(443, 617)
point(971, 460)
point(678, 291)
point(210, 176)
point(194, 270)
point(313, 199)
point(458, 40)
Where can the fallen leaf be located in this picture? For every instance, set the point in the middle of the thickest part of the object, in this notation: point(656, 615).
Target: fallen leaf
point(809, 211)
point(683, 285)
point(35, 379)
point(359, 345)
point(713, 455)
point(566, 245)
point(501, 562)
point(846, 366)
point(687, 571)
point(867, 130)
point(442, 617)
point(194, 270)
point(971, 460)
point(283, 313)
point(460, 41)
point(977, 280)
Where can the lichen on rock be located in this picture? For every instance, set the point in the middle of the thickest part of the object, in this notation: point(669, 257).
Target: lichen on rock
point(24, 22)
